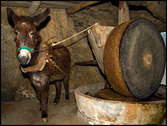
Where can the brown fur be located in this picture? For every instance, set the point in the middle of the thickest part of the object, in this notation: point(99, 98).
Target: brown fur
point(41, 80)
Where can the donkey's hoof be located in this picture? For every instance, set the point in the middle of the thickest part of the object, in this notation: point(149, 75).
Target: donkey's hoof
point(67, 100)
point(56, 101)
point(44, 120)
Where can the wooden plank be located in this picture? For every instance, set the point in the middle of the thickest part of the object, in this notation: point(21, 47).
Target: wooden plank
point(80, 6)
point(87, 63)
point(102, 33)
point(96, 50)
point(123, 12)
point(97, 37)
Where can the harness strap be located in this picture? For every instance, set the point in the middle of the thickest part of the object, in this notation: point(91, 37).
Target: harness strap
point(25, 47)
point(54, 64)
point(42, 59)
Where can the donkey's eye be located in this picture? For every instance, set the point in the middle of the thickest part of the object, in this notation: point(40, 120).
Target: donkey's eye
point(16, 33)
point(32, 33)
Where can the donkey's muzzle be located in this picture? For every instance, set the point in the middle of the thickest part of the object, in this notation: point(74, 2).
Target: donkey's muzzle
point(23, 60)
point(24, 56)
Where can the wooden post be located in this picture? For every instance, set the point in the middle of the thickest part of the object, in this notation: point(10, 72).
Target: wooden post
point(123, 12)
point(34, 7)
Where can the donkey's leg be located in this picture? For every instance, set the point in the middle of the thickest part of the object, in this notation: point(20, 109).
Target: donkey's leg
point(44, 101)
point(66, 86)
point(42, 90)
point(38, 94)
point(58, 87)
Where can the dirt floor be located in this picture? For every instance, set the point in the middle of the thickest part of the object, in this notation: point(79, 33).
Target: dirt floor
point(26, 112)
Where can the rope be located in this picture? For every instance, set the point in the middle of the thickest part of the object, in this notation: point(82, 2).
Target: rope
point(54, 64)
point(53, 44)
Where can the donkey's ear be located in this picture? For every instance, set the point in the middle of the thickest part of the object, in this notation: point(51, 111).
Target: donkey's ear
point(11, 15)
point(40, 17)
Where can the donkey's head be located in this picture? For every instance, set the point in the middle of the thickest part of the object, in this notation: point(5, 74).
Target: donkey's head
point(25, 28)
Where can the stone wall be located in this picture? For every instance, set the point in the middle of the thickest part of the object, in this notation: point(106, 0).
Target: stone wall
point(107, 14)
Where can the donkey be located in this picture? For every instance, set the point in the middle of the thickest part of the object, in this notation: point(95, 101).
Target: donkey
point(28, 42)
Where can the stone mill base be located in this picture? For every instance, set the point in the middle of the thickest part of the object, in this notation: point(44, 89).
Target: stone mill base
point(101, 111)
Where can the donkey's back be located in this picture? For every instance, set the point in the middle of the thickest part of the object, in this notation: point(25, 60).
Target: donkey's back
point(60, 66)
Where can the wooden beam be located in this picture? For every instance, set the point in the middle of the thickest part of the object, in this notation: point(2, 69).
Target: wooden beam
point(44, 4)
point(15, 3)
point(66, 4)
point(158, 9)
point(80, 6)
point(123, 12)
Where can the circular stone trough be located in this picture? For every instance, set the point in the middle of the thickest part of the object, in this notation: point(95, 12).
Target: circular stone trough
point(100, 111)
